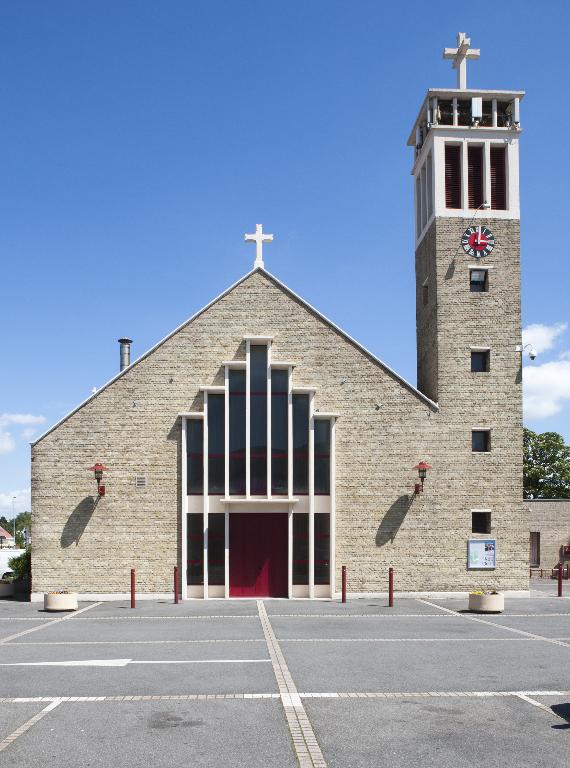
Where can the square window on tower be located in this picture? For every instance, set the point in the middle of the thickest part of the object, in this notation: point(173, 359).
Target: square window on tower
point(480, 360)
point(478, 280)
point(480, 441)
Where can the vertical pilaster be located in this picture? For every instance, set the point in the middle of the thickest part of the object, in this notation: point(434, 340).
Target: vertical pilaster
point(206, 496)
point(311, 495)
point(184, 511)
point(269, 420)
point(290, 432)
point(333, 509)
point(247, 420)
point(290, 552)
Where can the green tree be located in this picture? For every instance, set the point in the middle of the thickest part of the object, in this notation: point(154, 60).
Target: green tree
point(546, 466)
point(23, 520)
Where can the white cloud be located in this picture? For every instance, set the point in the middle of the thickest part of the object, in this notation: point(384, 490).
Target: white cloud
point(7, 442)
point(28, 433)
point(546, 388)
point(542, 337)
point(20, 418)
point(22, 502)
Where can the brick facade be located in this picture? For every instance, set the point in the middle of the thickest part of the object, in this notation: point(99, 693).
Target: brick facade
point(132, 425)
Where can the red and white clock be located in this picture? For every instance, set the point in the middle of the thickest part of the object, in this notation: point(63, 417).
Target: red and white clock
point(478, 241)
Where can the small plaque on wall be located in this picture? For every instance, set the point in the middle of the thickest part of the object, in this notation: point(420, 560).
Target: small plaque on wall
point(481, 554)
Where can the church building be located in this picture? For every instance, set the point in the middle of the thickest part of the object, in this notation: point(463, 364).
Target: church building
point(258, 448)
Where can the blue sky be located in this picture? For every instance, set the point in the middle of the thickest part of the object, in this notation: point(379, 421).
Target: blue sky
point(140, 140)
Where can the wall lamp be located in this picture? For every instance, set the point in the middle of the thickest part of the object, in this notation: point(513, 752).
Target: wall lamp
point(532, 353)
point(98, 469)
point(422, 468)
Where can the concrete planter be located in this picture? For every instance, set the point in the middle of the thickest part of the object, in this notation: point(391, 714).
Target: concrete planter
point(487, 603)
point(6, 589)
point(66, 601)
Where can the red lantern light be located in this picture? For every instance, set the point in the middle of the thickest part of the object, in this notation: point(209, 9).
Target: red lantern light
point(422, 468)
point(98, 469)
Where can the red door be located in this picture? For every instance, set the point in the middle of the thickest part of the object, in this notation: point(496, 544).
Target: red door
point(258, 555)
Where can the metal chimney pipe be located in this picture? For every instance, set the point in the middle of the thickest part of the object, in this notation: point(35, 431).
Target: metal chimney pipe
point(125, 353)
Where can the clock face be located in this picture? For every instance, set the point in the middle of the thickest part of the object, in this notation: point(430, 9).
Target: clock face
point(478, 241)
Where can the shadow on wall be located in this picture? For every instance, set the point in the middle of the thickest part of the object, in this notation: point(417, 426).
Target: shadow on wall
point(393, 519)
point(78, 520)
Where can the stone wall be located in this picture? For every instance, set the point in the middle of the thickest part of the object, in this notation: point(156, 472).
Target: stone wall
point(132, 426)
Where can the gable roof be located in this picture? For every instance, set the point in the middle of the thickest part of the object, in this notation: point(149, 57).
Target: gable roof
point(291, 293)
point(5, 533)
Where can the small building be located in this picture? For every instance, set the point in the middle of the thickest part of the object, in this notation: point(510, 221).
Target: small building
point(549, 529)
point(6, 539)
point(267, 448)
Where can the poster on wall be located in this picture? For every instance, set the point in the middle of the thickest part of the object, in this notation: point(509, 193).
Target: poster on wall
point(481, 553)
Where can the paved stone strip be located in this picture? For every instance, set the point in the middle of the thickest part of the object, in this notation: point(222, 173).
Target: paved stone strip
point(28, 724)
point(499, 626)
point(5, 640)
point(526, 695)
point(305, 743)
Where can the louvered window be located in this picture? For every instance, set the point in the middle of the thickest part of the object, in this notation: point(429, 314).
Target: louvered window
point(498, 179)
point(452, 176)
point(475, 176)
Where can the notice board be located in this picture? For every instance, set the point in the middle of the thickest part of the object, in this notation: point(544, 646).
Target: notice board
point(482, 553)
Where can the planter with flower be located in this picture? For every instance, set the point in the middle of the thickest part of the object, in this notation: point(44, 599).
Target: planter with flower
point(60, 600)
point(486, 601)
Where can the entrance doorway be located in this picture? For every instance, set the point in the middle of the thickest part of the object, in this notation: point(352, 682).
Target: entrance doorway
point(258, 555)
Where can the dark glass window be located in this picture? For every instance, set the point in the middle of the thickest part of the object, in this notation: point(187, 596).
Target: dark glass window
point(216, 444)
point(216, 549)
point(480, 361)
point(322, 456)
point(481, 522)
point(279, 431)
point(464, 111)
point(195, 456)
point(258, 419)
point(195, 572)
point(301, 444)
point(300, 548)
point(480, 440)
point(478, 280)
point(445, 112)
point(237, 431)
point(322, 548)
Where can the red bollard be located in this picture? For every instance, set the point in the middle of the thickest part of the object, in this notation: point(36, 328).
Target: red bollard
point(390, 587)
point(133, 588)
point(344, 583)
point(559, 579)
point(175, 583)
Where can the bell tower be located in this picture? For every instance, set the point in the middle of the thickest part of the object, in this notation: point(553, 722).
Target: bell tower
point(467, 214)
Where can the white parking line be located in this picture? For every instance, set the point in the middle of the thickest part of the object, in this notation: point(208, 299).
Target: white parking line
point(125, 662)
point(5, 640)
point(499, 626)
point(28, 724)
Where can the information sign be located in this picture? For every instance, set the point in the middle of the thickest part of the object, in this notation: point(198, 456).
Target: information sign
point(481, 553)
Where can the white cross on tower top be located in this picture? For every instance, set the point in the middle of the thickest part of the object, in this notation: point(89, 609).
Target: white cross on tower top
point(459, 56)
point(259, 238)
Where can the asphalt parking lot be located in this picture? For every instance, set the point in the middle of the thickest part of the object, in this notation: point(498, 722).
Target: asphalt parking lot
point(278, 683)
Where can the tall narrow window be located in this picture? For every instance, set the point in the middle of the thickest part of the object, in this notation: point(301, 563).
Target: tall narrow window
point(216, 431)
point(475, 175)
point(258, 419)
point(498, 178)
point(195, 565)
point(300, 548)
point(322, 456)
point(452, 176)
point(216, 549)
point(301, 444)
point(322, 548)
point(237, 431)
point(429, 181)
point(418, 206)
point(279, 431)
point(194, 456)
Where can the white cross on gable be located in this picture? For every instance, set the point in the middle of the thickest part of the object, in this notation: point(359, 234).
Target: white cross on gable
point(259, 238)
point(459, 56)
